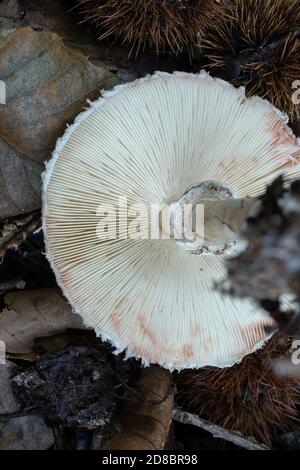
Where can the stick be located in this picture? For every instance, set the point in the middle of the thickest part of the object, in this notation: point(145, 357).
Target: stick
point(217, 431)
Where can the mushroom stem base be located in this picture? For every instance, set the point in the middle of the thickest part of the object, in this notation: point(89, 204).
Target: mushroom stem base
point(208, 219)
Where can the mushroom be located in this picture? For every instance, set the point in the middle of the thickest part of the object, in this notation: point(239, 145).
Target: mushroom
point(164, 140)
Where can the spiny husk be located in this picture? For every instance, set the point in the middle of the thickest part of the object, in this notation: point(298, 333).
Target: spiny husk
point(248, 397)
point(256, 44)
point(161, 25)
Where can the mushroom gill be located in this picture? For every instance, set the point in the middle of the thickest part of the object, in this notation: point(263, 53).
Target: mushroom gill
point(146, 143)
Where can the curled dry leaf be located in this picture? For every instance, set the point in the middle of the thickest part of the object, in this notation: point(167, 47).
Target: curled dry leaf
point(14, 231)
point(145, 420)
point(47, 85)
point(32, 314)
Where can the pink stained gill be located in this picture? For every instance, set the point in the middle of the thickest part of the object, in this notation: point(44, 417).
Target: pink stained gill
point(283, 136)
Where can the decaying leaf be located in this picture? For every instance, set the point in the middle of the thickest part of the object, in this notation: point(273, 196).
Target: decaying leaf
point(14, 231)
point(20, 179)
point(18, 430)
point(11, 9)
point(145, 420)
point(50, 344)
point(72, 387)
point(26, 266)
point(47, 85)
point(31, 314)
point(28, 432)
point(76, 388)
point(8, 403)
point(59, 17)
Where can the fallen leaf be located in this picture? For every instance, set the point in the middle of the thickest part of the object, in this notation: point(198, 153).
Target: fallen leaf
point(28, 432)
point(145, 420)
point(49, 344)
point(20, 180)
point(58, 17)
point(32, 314)
point(11, 9)
point(8, 403)
point(26, 266)
point(47, 85)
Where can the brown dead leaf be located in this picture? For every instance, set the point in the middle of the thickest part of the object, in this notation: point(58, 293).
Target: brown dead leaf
point(20, 181)
point(49, 344)
point(8, 402)
point(27, 432)
point(11, 9)
point(32, 314)
point(145, 421)
point(59, 17)
point(47, 85)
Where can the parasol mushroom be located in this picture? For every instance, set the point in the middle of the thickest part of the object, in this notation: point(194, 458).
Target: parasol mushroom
point(164, 140)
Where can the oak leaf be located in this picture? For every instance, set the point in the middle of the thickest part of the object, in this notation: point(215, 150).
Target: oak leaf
point(47, 85)
point(31, 314)
point(145, 419)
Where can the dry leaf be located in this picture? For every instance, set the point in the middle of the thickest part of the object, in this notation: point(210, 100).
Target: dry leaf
point(47, 85)
point(29, 432)
point(58, 17)
point(146, 419)
point(13, 232)
point(31, 314)
point(20, 180)
point(11, 9)
point(8, 403)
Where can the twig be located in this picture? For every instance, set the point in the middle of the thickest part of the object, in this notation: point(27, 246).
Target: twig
point(217, 431)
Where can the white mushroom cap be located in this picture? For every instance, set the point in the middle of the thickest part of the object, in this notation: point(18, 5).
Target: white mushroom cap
point(149, 141)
